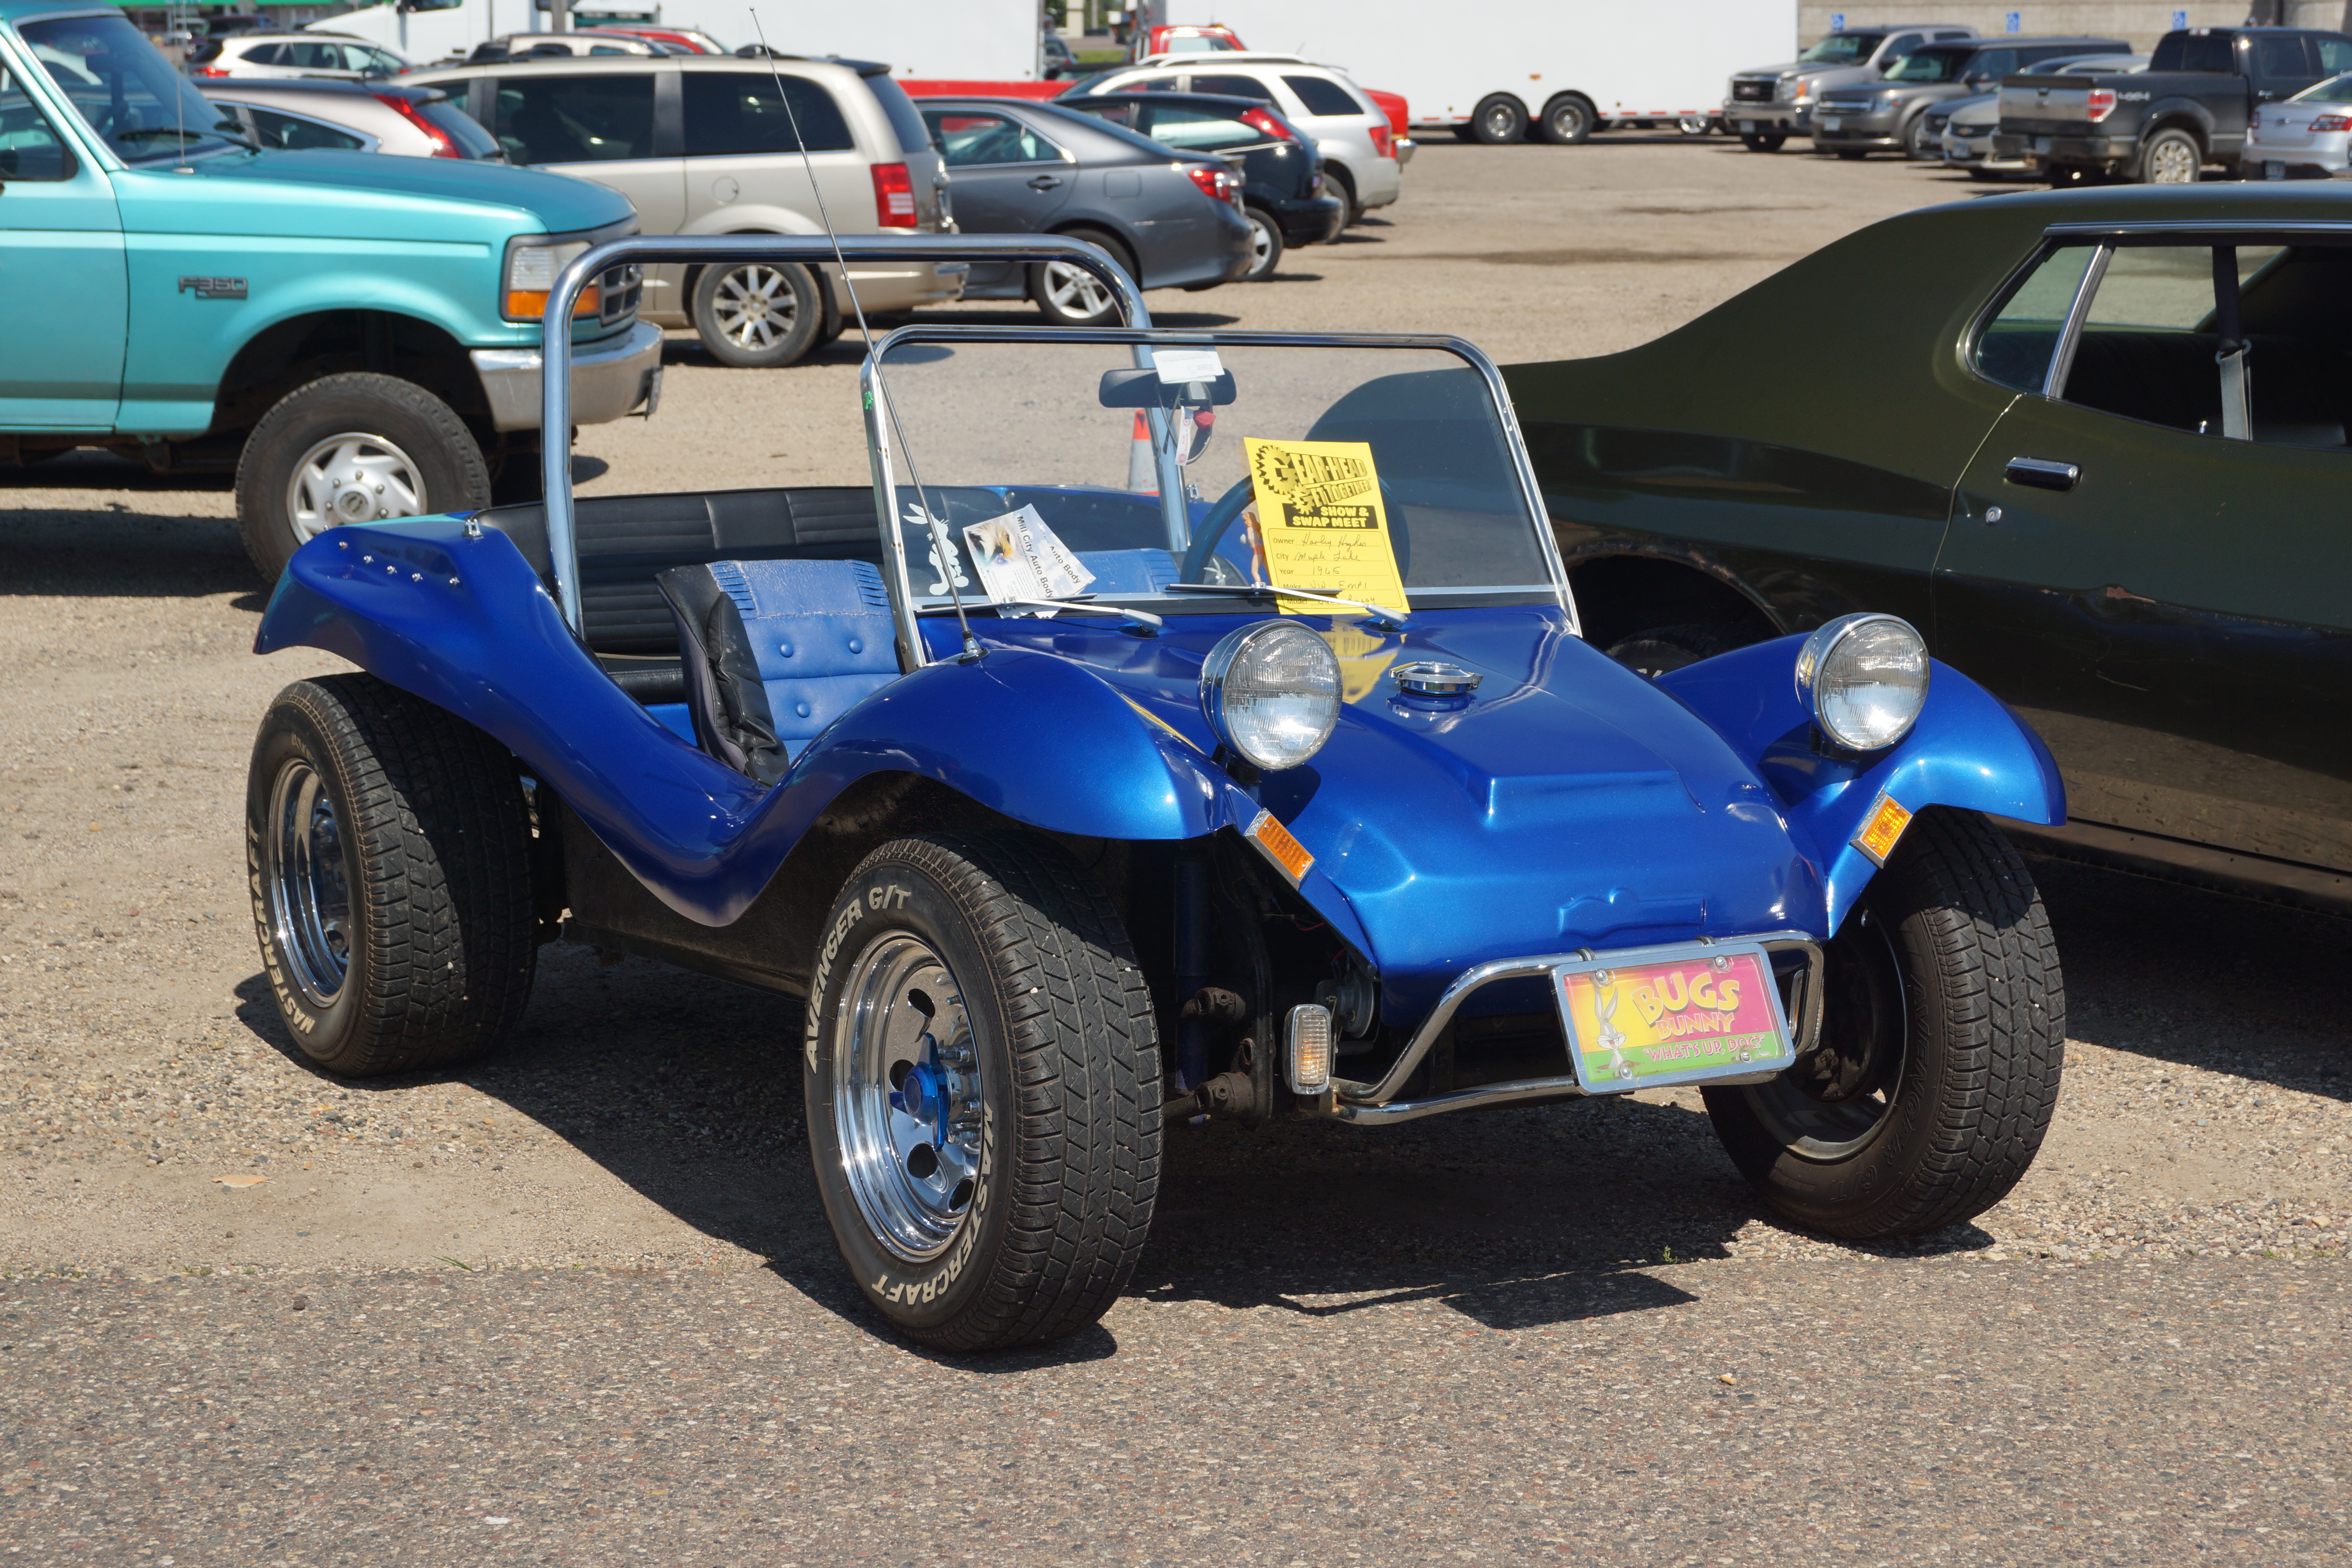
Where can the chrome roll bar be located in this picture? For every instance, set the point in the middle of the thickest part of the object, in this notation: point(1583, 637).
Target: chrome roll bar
point(814, 250)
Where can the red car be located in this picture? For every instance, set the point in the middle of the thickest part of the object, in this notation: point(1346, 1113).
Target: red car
point(1210, 38)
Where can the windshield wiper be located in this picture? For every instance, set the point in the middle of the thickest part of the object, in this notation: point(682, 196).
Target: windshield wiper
point(1085, 605)
point(1381, 616)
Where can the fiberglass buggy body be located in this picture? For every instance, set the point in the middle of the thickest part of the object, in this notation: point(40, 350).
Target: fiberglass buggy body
point(1160, 843)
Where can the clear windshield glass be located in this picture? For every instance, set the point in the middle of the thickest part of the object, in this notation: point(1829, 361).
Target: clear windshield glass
point(128, 91)
point(1403, 446)
point(1842, 50)
point(1929, 65)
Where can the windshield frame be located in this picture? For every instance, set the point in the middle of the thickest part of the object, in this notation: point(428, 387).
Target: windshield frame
point(873, 378)
point(203, 138)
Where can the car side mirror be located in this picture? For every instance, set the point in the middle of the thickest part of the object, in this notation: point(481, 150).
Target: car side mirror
point(1144, 389)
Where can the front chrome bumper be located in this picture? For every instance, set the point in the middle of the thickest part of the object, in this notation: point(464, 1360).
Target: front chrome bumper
point(608, 379)
point(1375, 1104)
point(1405, 148)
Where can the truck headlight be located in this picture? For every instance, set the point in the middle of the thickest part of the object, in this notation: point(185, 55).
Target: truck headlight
point(1271, 691)
point(532, 265)
point(1866, 679)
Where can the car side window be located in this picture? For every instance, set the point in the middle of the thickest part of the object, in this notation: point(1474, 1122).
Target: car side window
point(315, 56)
point(1148, 84)
point(1323, 96)
point(2017, 345)
point(2335, 55)
point(30, 148)
point(736, 112)
point(968, 139)
point(1233, 87)
point(553, 119)
point(1993, 62)
point(2282, 59)
point(1201, 130)
point(297, 134)
point(1903, 44)
point(267, 54)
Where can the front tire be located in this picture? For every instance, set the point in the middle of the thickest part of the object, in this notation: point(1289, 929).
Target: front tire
point(1071, 296)
point(353, 447)
point(982, 1083)
point(1568, 120)
point(389, 854)
point(1940, 1053)
point(1915, 145)
point(757, 315)
point(1499, 121)
point(1265, 245)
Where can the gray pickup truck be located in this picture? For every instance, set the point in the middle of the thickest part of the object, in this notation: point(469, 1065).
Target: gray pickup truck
point(1766, 106)
point(2163, 125)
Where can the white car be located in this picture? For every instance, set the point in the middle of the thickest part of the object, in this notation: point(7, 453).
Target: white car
point(2306, 137)
point(1359, 152)
point(293, 55)
point(556, 46)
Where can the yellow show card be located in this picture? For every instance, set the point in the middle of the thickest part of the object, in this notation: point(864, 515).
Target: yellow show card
point(1321, 524)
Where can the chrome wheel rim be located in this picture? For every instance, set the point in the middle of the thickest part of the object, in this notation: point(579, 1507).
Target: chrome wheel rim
point(352, 477)
point(1692, 125)
point(1500, 121)
point(1261, 245)
point(1838, 1097)
point(2174, 164)
point(755, 308)
point(907, 1096)
point(1567, 122)
point(1075, 291)
point(310, 896)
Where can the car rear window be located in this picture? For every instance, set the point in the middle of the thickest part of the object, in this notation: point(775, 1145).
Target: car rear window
point(599, 119)
point(913, 135)
point(1234, 86)
point(1323, 96)
point(459, 127)
point(2192, 52)
point(742, 111)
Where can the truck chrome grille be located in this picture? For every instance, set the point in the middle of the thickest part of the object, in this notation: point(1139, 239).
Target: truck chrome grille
point(1752, 90)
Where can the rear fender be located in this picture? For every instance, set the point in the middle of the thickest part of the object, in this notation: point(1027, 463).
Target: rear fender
point(1968, 751)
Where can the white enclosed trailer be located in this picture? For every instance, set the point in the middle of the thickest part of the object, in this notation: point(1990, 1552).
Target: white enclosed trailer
point(1494, 69)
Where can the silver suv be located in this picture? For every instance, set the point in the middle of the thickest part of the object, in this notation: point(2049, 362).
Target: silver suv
point(1767, 106)
point(704, 144)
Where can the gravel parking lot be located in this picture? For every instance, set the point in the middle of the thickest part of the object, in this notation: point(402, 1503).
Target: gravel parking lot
point(156, 1124)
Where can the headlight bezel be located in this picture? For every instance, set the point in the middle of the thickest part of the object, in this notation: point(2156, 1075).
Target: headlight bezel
point(1219, 697)
point(1816, 671)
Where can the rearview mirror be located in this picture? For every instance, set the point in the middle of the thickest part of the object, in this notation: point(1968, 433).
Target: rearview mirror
point(1144, 389)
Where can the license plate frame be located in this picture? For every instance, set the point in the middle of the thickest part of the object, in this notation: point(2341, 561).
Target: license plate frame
point(2041, 143)
point(1830, 122)
point(2274, 169)
point(1615, 1056)
point(1748, 128)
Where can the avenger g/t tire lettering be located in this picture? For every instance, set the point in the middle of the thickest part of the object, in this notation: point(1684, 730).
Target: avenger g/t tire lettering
point(1940, 1052)
point(983, 1080)
point(388, 861)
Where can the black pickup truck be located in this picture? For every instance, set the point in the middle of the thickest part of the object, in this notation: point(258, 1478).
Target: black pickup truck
point(2162, 126)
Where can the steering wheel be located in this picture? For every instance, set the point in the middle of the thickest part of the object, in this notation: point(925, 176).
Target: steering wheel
point(1229, 507)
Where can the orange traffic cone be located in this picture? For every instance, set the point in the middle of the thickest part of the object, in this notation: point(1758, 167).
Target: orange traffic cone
point(1142, 473)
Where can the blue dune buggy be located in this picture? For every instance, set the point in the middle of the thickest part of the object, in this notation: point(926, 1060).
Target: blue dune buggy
point(1082, 787)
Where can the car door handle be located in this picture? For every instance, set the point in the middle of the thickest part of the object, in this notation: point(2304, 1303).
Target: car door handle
point(1044, 183)
point(2042, 474)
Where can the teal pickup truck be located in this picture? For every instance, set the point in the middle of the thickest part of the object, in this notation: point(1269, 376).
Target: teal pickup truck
point(357, 335)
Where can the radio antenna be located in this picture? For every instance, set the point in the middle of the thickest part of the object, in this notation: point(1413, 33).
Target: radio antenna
point(942, 546)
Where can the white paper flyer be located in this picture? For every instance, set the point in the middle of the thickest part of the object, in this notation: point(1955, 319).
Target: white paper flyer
point(1018, 557)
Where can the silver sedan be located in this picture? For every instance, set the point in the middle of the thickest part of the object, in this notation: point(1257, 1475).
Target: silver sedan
point(2307, 137)
point(352, 117)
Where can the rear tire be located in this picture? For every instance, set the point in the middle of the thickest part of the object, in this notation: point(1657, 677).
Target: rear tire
point(1265, 245)
point(1754, 142)
point(2171, 158)
point(353, 447)
point(1567, 120)
point(982, 1084)
point(758, 315)
point(390, 860)
point(1499, 121)
point(1940, 1054)
point(1073, 296)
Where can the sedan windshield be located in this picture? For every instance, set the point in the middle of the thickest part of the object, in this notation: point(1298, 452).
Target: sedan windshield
point(2334, 90)
point(1842, 49)
point(1929, 65)
point(127, 92)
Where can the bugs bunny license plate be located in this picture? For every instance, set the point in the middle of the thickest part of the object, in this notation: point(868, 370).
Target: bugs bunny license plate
point(1648, 1017)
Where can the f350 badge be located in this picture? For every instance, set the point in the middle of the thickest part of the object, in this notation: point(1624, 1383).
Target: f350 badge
point(214, 287)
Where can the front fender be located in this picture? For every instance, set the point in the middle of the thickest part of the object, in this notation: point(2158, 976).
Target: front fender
point(461, 620)
point(1968, 751)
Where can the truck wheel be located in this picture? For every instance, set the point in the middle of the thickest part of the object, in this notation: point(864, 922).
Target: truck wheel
point(1566, 121)
point(983, 1081)
point(355, 448)
point(1661, 648)
point(1265, 245)
point(1695, 125)
point(1757, 142)
point(2170, 158)
point(1071, 296)
point(756, 315)
point(390, 871)
point(1499, 121)
point(1940, 1051)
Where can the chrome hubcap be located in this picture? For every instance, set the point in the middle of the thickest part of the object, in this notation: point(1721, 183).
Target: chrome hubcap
point(352, 477)
point(2175, 166)
point(1498, 123)
point(907, 1096)
point(1261, 245)
point(756, 307)
point(309, 899)
point(1076, 292)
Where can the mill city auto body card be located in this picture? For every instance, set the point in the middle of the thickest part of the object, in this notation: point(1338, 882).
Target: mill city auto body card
point(1019, 557)
point(1322, 524)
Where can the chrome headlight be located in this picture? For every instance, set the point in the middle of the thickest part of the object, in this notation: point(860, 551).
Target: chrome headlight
point(1866, 679)
point(1271, 691)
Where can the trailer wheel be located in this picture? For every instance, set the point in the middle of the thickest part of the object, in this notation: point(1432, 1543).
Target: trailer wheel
point(1567, 120)
point(1499, 121)
point(982, 1083)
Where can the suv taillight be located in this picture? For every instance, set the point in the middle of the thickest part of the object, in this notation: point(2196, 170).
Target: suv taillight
point(442, 147)
point(893, 196)
point(1259, 120)
point(209, 71)
point(1218, 184)
point(2101, 102)
point(1382, 145)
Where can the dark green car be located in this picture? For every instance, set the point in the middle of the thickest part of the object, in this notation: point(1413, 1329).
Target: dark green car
point(2092, 443)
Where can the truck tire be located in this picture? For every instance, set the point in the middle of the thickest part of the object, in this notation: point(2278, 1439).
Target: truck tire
point(1499, 119)
point(1073, 296)
point(1757, 142)
point(2170, 157)
point(1567, 120)
point(353, 447)
point(1943, 1041)
point(983, 1085)
point(389, 854)
point(757, 315)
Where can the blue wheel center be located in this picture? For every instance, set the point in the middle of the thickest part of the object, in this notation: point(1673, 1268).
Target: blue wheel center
point(924, 1096)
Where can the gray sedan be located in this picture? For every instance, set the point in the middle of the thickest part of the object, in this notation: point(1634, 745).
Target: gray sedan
point(1018, 167)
